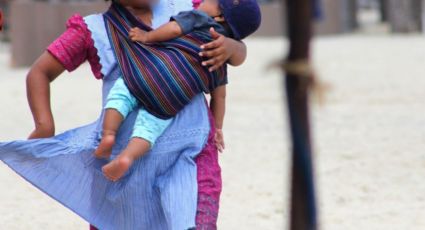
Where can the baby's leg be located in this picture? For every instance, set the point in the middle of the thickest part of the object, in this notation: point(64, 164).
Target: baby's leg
point(135, 149)
point(146, 131)
point(111, 123)
point(120, 103)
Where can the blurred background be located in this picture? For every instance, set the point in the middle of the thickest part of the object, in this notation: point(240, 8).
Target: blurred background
point(44, 20)
point(369, 135)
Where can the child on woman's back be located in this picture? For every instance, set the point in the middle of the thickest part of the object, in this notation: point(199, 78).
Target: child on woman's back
point(232, 18)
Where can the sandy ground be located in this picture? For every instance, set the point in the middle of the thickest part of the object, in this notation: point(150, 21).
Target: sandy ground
point(369, 138)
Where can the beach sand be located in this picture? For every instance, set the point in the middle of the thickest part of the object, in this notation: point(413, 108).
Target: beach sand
point(369, 138)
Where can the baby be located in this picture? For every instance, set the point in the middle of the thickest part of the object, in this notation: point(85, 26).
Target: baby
point(232, 18)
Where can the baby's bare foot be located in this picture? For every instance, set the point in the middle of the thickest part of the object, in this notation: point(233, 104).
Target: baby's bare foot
point(104, 149)
point(116, 169)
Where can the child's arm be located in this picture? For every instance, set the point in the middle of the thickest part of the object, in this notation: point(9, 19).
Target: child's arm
point(218, 107)
point(168, 31)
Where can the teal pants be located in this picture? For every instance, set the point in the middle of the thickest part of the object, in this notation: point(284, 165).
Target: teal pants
point(146, 126)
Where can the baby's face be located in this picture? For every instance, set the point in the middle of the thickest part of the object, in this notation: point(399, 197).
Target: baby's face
point(211, 7)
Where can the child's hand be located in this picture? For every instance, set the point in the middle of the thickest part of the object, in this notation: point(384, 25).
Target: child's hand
point(138, 35)
point(219, 140)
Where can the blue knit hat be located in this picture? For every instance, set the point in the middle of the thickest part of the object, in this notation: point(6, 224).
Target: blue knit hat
point(243, 16)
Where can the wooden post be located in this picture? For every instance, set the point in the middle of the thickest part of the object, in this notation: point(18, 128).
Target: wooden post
point(383, 7)
point(405, 16)
point(352, 8)
point(417, 6)
point(303, 204)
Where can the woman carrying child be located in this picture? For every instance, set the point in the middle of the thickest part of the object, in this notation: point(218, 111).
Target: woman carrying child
point(166, 189)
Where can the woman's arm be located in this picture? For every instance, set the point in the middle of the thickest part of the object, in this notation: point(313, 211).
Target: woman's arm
point(67, 52)
point(223, 50)
point(45, 70)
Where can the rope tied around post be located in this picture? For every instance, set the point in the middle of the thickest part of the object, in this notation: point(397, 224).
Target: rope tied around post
point(303, 69)
point(299, 68)
point(298, 83)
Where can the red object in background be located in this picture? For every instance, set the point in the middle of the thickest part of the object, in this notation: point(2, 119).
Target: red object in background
point(1, 20)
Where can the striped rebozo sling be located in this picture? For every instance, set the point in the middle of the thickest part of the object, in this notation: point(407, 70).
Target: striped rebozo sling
point(164, 77)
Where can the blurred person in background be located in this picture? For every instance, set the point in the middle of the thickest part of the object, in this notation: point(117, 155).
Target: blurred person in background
point(1, 20)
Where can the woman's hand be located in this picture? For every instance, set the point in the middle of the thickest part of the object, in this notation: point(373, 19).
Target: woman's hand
point(221, 50)
point(44, 131)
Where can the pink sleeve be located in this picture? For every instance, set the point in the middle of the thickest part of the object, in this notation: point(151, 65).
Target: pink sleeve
point(196, 3)
point(75, 46)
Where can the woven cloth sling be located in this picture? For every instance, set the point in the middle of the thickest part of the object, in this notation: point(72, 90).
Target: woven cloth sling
point(164, 77)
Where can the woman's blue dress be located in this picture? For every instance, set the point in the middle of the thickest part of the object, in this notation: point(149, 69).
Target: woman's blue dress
point(159, 191)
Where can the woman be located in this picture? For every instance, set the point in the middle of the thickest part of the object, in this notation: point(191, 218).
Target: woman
point(158, 193)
